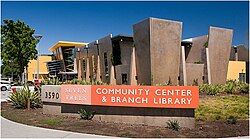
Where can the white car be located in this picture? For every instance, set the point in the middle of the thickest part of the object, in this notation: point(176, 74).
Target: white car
point(5, 85)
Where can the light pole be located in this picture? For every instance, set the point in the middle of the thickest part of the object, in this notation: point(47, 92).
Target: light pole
point(38, 38)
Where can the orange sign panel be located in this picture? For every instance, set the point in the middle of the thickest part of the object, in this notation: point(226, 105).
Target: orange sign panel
point(136, 96)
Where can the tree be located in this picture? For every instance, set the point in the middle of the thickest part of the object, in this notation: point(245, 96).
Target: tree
point(18, 47)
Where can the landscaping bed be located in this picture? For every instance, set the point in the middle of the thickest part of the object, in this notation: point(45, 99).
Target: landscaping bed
point(208, 123)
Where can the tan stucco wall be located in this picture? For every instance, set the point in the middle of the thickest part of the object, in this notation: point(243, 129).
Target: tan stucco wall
point(234, 68)
point(43, 71)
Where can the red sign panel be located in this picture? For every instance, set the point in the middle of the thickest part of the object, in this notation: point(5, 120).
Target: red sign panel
point(132, 96)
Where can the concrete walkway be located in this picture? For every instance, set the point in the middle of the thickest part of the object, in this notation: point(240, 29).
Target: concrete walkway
point(11, 129)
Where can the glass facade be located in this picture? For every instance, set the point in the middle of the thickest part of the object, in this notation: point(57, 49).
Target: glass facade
point(106, 64)
point(68, 57)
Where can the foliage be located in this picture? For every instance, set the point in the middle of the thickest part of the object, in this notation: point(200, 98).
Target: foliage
point(53, 81)
point(29, 83)
point(84, 82)
point(210, 89)
point(198, 62)
point(169, 83)
point(174, 125)
point(86, 115)
point(203, 88)
point(231, 120)
point(205, 44)
point(223, 107)
point(195, 82)
point(20, 98)
point(214, 90)
point(244, 88)
point(18, 46)
point(230, 87)
point(50, 121)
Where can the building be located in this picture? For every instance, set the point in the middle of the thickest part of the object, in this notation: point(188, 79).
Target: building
point(64, 65)
point(155, 54)
point(238, 68)
point(43, 71)
point(107, 59)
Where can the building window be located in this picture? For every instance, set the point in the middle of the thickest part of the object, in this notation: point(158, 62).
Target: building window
point(106, 64)
point(93, 67)
point(242, 77)
point(116, 53)
point(68, 56)
point(84, 67)
point(124, 78)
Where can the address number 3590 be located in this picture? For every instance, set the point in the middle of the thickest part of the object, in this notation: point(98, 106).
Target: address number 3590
point(52, 95)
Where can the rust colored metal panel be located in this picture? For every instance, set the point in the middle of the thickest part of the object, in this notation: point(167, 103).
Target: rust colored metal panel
point(105, 46)
point(219, 45)
point(194, 53)
point(194, 72)
point(243, 53)
point(165, 43)
point(142, 51)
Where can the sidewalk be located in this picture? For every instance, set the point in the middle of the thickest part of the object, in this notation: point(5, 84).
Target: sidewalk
point(11, 129)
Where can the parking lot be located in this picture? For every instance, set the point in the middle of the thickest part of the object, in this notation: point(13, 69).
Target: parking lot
point(5, 95)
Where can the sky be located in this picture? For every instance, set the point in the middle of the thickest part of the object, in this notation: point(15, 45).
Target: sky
point(89, 21)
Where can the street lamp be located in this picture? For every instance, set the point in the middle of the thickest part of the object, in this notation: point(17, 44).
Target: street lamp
point(38, 38)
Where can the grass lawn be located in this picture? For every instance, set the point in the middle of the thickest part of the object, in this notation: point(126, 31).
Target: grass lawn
point(220, 108)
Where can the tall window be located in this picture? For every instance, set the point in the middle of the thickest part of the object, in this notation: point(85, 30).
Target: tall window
point(124, 78)
point(93, 67)
point(84, 67)
point(242, 77)
point(106, 64)
point(68, 56)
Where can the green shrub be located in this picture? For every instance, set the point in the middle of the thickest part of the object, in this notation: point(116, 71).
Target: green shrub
point(214, 89)
point(203, 88)
point(198, 62)
point(195, 82)
point(84, 82)
point(205, 44)
point(244, 88)
point(231, 120)
point(53, 81)
point(230, 87)
point(97, 83)
point(20, 98)
point(86, 115)
point(174, 125)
